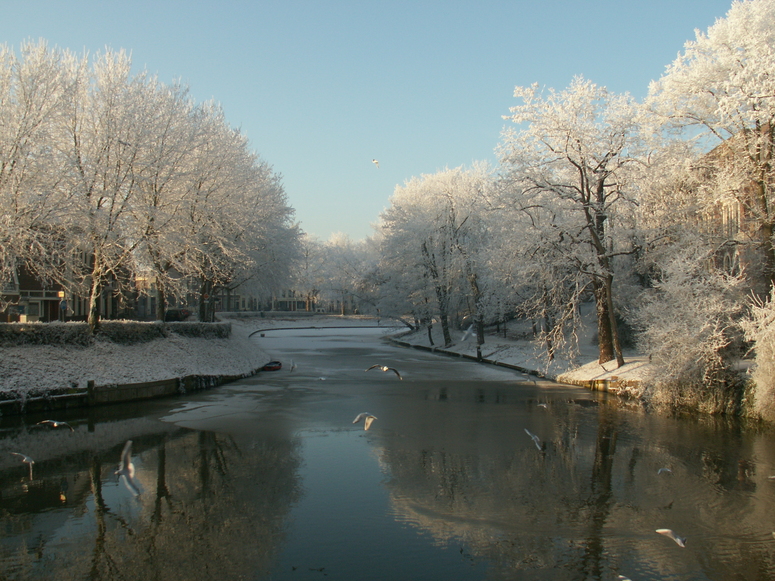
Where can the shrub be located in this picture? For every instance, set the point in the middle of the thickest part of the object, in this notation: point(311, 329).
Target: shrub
point(760, 327)
point(690, 326)
point(120, 332)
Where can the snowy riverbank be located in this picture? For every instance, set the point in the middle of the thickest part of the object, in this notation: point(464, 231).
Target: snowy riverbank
point(52, 367)
point(47, 367)
point(518, 349)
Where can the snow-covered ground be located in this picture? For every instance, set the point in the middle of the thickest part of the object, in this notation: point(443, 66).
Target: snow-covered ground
point(26, 369)
point(48, 367)
point(518, 348)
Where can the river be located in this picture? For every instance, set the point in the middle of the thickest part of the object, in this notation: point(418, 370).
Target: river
point(268, 478)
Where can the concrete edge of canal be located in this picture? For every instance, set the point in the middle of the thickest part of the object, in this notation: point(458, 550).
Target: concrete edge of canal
point(95, 395)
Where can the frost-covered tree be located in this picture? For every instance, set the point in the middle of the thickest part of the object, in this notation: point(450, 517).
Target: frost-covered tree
point(346, 269)
point(690, 328)
point(106, 175)
point(237, 221)
point(721, 89)
point(435, 228)
point(103, 130)
point(308, 271)
point(34, 91)
point(161, 166)
point(566, 168)
point(759, 327)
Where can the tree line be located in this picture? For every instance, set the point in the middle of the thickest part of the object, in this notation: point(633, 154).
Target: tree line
point(107, 176)
point(658, 211)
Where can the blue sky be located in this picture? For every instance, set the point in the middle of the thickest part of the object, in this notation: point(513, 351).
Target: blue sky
point(322, 87)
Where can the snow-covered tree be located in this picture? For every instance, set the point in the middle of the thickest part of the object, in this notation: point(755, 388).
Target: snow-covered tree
point(690, 327)
point(346, 269)
point(161, 166)
point(34, 91)
point(759, 327)
point(100, 136)
point(106, 175)
point(566, 169)
point(721, 89)
point(238, 226)
point(435, 238)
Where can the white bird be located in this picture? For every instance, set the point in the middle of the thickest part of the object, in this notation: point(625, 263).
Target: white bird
point(680, 541)
point(367, 419)
point(543, 405)
point(467, 334)
point(535, 438)
point(664, 471)
point(56, 424)
point(126, 469)
point(623, 578)
point(26, 459)
point(375, 162)
point(385, 368)
point(293, 365)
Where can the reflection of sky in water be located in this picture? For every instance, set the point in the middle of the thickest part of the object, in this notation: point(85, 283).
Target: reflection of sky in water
point(343, 522)
point(268, 478)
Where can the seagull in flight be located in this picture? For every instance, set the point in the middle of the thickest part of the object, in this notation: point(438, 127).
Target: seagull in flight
point(680, 541)
point(664, 471)
point(375, 162)
point(385, 368)
point(535, 438)
point(55, 424)
point(367, 419)
point(127, 470)
point(26, 459)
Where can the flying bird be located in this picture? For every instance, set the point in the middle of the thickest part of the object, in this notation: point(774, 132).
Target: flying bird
point(623, 578)
point(126, 469)
point(385, 368)
point(664, 471)
point(367, 419)
point(535, 438)
point(26, 459)
point(680, 541)
point(375, 162)
point(55, 424)
point(293, 365)
point(543, 405)
point(467, 334)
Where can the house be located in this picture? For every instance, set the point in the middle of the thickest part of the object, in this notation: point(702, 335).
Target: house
point(30, 300)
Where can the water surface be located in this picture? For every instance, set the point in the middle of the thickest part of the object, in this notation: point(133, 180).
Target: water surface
point(268, 479)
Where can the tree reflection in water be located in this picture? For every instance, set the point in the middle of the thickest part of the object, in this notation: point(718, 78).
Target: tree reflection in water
point(587, 507)
point(203, 514)
point(445, 485)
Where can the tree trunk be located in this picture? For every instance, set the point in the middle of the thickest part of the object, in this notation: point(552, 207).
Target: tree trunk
point(94, 302)
point(161, 300)
point(478, 317)
point(617, 346)
point(205, 291)
point(607, 330)
point(604, 336)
